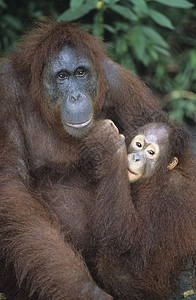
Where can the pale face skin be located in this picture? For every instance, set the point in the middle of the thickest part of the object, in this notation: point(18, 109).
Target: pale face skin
point(146, 151)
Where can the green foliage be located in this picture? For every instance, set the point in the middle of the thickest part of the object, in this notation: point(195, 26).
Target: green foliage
point(78, 9)
point(177, 80)
point(145, 37)
point(154, 38)
point(176, 3)
point(17, 16)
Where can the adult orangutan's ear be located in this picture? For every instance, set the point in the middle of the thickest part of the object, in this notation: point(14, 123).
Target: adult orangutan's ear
point(173, 164)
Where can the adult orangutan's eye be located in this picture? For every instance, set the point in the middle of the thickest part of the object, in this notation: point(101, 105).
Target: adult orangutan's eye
point(80, 72)
point(62, 75)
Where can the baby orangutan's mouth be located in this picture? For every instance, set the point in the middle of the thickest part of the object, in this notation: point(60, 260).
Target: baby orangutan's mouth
point(132, 176)
point(132, 172)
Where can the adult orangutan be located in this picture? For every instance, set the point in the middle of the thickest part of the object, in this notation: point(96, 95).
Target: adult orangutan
point(51, 91)
point(145, 211)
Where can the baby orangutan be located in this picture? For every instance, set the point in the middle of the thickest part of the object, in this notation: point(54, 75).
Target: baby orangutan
point(146, 151)
point(144, 223)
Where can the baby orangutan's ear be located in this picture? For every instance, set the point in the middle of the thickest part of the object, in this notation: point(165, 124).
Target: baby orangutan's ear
point(173, 163)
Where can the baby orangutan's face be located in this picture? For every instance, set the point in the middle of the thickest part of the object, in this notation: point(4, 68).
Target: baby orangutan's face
point(146, 151)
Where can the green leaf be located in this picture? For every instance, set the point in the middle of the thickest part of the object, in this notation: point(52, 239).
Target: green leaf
point(110, 28)
point(139, 41)
point(12, 22)
point(123, 26)
point(124, 12)
point(153, 53)
point(146, 59)
point(98, 28)
point(177, 115)
point(162, 50)
point(141, 4)
point(154, 37)
point(121, 46)
point(176, 3)
point(160, 19)
point(193, 58)
point(74, 4)
point(91, 4)
point(3, 4)
point(127, 62)
point(109, 2)
point(71, 15)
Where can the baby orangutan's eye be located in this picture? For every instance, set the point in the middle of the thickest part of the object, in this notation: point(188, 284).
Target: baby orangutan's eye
point(139, 145)
point(151, 152)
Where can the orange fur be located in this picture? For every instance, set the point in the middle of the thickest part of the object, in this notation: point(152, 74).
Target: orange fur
point(45, 220)
point(145, 232)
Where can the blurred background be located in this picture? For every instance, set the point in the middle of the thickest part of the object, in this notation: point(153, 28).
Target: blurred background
point(156, 39)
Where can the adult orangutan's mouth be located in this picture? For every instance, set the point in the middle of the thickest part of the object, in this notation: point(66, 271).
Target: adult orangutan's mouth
point(79, 125)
